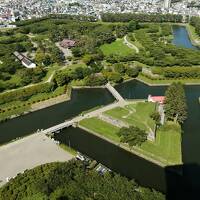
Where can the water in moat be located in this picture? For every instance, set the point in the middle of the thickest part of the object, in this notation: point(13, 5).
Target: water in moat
point(181, 37)
point(147, 173)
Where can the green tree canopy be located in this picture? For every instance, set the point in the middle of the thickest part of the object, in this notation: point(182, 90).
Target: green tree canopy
point(72, 181)
point(132, 135)
point(175, 103)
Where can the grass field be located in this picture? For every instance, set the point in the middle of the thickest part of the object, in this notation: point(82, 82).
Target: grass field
point(166, 149)
point(137, 114)
point(117, 47)
point(167, 145)
point(102, 128)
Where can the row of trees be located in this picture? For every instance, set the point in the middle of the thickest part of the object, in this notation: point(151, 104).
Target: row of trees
point(25, 93)
point(95, 71)
point(58, 17)
point(178, 72)
point(126, 17)
point(159, 54)
point(73, 181)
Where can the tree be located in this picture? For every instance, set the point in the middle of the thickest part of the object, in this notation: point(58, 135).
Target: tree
point(175, 103)
point(132, 71)
point(95, 80)
point(156, 117)
point(76, 51)
point(39, 57)
point(47, 60)
point(119, 67)
point(87, 59)
point(62, 78)
point(115, 77)
point(132, 25)
point(73, 181)
point(132, 135)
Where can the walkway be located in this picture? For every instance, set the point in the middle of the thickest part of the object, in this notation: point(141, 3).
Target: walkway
point(114, 92)
point(130, 45)
point(77, 119)
point(27, 153)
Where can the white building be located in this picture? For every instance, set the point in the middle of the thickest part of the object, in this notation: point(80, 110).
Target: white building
point(167, 4)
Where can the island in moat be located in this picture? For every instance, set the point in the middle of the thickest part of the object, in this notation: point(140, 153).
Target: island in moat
point(43, 59)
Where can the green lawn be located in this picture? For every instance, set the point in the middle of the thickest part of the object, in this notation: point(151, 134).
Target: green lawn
point(116, 47)
point(167, 147)
point(137, 114)
point(193, 35)
point(102, 128)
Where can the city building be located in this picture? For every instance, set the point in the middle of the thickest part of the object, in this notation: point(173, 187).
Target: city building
point(167, 4)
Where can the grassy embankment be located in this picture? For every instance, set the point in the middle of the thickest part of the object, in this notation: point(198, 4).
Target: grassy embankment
point(68, 149)
point(166, 149)
point(185, 81)
point(195, 39)
point(19, 107)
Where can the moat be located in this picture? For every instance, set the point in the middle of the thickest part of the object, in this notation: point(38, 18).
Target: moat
point(112, 156)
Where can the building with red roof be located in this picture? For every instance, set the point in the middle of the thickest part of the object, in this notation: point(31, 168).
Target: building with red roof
point(66, 43)
point(156, 99)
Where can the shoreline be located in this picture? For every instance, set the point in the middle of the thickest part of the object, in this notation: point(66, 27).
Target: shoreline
point(67, 96)
point(43, 104)
point(124, 147)
point(194, 41)
point(165, 84)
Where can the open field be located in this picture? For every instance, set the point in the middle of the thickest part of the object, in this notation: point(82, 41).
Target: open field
point(166, 149)
point(28, 153)
point(137, 114)
point(166, 146)
point(103, 128)
point(116, 47)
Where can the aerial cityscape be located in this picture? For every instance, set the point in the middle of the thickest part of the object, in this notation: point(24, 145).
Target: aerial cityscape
point(99, 99)
point(11, 10)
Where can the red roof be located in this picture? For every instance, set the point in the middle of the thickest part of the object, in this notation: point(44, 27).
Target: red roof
point(159, 99)
point(67, 43)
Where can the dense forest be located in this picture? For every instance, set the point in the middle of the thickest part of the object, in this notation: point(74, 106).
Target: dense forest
point(73, 181)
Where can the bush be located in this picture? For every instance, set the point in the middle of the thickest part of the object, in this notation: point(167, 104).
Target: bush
point(132, 72)
point(115, 77)
point(95, 80)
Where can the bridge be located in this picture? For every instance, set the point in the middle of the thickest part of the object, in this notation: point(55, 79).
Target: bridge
point(77, 119)
point(95, 113)
point(114, 92)
point(58, 127)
